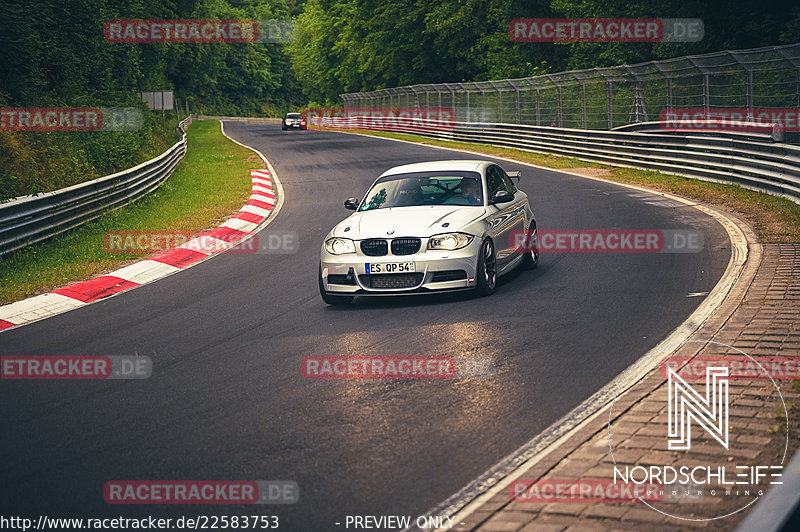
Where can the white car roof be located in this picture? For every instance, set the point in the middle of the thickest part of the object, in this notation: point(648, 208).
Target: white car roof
point(458, 165)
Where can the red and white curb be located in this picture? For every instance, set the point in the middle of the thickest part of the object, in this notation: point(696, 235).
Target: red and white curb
point(242, 225)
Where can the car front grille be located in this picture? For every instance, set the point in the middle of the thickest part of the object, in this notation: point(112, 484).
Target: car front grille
point(374, 247)
point(391, 280)
point(405, 246)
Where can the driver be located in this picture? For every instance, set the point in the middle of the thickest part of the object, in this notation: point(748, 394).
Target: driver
point(470, 191)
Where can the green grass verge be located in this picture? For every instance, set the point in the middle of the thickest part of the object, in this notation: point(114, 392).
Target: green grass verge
point(211, 183)
point(774, 219)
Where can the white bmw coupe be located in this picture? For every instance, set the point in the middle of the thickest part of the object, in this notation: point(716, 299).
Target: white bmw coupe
point(429, 227)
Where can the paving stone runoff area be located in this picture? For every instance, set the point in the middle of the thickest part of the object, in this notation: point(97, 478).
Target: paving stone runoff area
point(571, 487)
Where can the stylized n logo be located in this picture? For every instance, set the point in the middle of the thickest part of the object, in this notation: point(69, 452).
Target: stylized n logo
point(685, 405)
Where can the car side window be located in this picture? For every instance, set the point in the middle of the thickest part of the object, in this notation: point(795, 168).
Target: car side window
point(507, 180)
point(494, 181)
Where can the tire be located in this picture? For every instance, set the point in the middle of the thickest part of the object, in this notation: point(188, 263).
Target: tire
point(331, 299)
point(531, 260)
point(487, 269)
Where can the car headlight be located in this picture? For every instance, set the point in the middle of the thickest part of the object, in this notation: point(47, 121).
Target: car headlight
point(449, 241)
point(340, 246)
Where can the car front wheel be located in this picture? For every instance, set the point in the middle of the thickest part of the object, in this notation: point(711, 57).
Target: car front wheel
point(487, 269)
point(531, 260)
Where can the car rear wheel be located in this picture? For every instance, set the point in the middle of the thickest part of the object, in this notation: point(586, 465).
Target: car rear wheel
point(531, 260)
point(487, 269)
point(329, 298)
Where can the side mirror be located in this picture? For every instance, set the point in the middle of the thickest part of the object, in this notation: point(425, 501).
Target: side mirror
point(351, 203)
point(502, 196)
point(515, 175)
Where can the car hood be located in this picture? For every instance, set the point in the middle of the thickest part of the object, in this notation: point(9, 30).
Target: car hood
point(407, 221)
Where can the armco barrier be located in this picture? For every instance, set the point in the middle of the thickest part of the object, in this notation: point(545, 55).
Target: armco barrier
point(753, 160)
point(30, 219)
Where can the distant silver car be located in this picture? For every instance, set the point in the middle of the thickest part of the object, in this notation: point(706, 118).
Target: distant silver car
point(429, 227)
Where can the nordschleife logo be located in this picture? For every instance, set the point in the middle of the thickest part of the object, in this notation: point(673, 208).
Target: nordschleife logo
point(701, 421)
point(710, 411)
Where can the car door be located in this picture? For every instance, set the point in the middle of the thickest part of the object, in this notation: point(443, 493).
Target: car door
point(504, 218)
point(521, 210)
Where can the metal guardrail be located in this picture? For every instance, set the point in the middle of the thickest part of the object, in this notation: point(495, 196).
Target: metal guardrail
point(711, 127)
point(753, 160)
point(30, 219)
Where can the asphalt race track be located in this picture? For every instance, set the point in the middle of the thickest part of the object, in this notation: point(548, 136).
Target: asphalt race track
point(226, 399)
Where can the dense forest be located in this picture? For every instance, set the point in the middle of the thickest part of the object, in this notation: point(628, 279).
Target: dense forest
point(357, 45)
point(54, 54)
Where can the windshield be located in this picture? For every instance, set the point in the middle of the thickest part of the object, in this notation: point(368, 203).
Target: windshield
point(294, 115)
point(425, 188)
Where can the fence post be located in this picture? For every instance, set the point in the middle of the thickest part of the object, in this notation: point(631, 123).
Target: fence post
point(706, 82)
point(583, 98)
point(794, 61)
point(749, 88)
point(560, 107)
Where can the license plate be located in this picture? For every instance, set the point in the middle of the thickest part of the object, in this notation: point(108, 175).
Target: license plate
point(390, 267)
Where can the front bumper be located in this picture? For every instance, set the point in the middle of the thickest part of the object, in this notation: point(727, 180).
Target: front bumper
point(435, 271)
